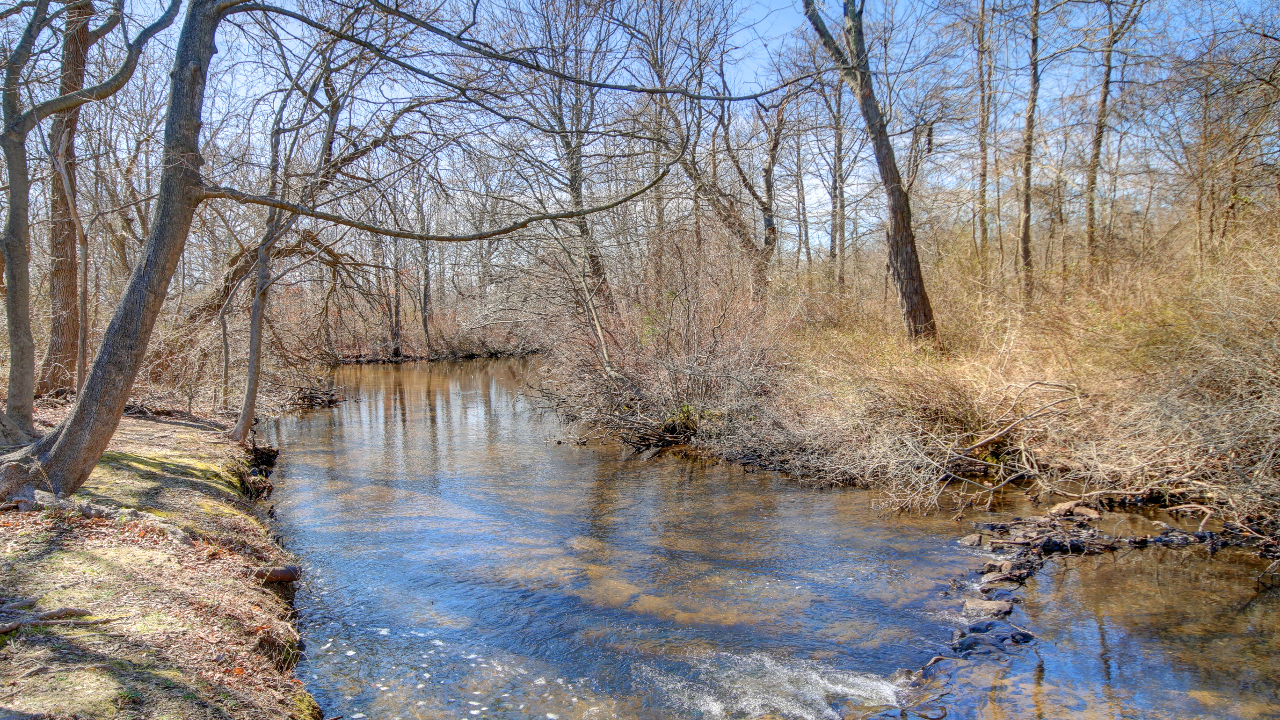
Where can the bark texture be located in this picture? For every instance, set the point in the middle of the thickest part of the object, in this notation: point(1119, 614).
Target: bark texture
point(57, 370)
point(62, 460)
point(1028, 154)
point(904, 261)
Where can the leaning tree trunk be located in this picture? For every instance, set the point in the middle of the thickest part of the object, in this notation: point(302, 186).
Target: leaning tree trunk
point(64, 334)
point(62, 460)
point(262, 284)
point(904, 262)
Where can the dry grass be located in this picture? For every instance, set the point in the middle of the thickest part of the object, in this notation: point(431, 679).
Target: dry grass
point(1162, 386)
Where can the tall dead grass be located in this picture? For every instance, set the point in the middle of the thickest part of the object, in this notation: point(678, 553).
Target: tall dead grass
point(1161, 383)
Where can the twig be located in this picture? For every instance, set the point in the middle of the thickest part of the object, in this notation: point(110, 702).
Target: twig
point(1208, 513)
point(1006, 429)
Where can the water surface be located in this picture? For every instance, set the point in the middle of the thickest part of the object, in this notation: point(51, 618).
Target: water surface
point(462, 562)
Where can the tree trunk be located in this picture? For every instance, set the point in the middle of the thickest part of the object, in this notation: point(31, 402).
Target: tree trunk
point(764, 255)
point(262, 285)
point(837, 177)
point(984, 129)
point(20, 404)
point(904, 263)
point(397, 349)
point(1028, 150)
point(426, 295)
point(802, 216)
point(1095, 162)
point(63, 459)
point(61, 357)
point(1115, 32)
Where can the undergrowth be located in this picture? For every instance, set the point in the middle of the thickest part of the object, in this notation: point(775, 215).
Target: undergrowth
point(1139, 387)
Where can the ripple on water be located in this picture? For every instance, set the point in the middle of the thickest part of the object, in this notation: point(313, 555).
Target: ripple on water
point(462, 565)
point(724, 685)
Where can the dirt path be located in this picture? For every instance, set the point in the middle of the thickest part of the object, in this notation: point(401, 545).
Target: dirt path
point(159, 619)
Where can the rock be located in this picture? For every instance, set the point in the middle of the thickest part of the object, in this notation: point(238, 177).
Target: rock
point(286, 573)
point(1003, 566)
point(128, 515)
point(971, 540)
point(1021, 637)
point(993, 577)
point(902, 676)
point(934, 668)
point(990, 608)
point(985, 626)
point(979, 643)
point(1064, 508)
point(1085, 512)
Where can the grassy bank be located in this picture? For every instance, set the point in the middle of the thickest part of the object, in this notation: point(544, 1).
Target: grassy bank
point(150, 613)
point(1155, 389)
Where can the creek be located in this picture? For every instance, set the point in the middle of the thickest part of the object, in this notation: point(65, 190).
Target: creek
point(462, 562)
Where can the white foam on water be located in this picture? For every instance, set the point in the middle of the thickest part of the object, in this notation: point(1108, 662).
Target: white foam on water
point(726, 685)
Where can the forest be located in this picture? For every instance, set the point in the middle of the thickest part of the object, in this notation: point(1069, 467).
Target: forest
point(931, 248)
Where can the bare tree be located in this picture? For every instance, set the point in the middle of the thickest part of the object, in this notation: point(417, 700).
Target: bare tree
point(1121, 17)
point(18, 125)
point(904, 262)
point(1028, 151)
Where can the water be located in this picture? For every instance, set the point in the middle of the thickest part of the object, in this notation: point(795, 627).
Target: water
point(461, 562)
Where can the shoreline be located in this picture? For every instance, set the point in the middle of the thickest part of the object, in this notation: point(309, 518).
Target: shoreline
point(141, 595)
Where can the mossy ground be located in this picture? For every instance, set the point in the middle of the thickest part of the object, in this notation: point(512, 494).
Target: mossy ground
point(189, 636)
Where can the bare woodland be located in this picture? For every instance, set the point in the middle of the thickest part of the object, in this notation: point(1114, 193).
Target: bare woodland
point(933, 248)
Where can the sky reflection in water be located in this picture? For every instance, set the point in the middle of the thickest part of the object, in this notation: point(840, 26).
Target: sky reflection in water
point(460, 563)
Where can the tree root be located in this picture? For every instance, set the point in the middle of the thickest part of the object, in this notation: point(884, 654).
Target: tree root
point(53, 617)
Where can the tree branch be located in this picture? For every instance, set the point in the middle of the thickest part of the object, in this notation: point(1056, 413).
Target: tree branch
point(214, 192)
point(106, 88)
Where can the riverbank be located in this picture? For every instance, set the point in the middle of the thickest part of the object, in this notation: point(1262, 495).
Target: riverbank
point(149, 613)
point(1162, 393)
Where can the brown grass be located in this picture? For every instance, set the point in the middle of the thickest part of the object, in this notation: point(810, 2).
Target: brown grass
point(1161, 385)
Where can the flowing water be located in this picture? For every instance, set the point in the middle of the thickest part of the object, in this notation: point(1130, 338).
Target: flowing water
point(460, 562)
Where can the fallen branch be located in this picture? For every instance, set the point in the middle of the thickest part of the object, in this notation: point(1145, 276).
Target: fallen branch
point(1008, 428)
point(54, 617)
point(1189, 507)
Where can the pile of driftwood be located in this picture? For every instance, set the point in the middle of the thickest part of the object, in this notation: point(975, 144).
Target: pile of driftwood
point(307, 398)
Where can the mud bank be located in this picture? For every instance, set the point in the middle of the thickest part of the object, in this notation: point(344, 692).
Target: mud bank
point(139, 598)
